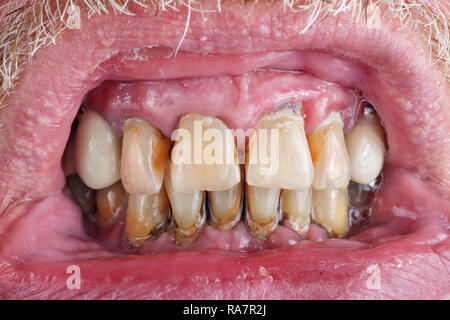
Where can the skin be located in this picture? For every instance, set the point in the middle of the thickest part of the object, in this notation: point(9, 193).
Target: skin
point(436, 52)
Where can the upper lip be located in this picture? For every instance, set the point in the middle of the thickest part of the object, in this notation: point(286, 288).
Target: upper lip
point(407, 87)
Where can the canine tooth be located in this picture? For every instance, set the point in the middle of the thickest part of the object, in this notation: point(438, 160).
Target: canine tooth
point(147, 215)
point(282, 160)
point(198, 165)
point(330, 210)
point(83, 196)
point(110, 201)
point(144, 157)
point(226, 207)
point(188, 213)
point(97, 151)
point(262, 211)
point(366, 148)
point(296, 208)
point(329, 154)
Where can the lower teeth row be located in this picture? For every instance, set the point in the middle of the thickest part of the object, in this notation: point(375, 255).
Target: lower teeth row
point(312, 183)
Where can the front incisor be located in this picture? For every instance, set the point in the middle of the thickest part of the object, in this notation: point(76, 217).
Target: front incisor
point(330, 209)
point(329, 154)
point(188, 213)
point(204, 156)
point(296, 209)
point(97, 151)
point(110, 201)
point(366, 148)
point(144, 156)
point(278, 153)
point(262, 211)
point(147, 215)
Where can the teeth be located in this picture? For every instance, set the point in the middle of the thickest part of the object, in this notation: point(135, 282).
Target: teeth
point(330, 210)
point(296, 209)
point(83, 196)
point(262, 211)
point(144, 156)
point(204, 156)
point(282, 160)
point(329, 154)
point(366, 148)
point(97, 152)
point(110, 201)
point(68, 159)
point(226, 207)
point(188, 212)
point(147, 216)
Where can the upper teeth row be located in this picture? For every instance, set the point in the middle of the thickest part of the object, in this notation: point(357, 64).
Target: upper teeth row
point(311, 171)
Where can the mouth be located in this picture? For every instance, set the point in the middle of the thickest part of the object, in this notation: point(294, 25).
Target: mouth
point(133, 74)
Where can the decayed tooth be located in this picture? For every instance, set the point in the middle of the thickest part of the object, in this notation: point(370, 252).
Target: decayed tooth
point(204, 155)
point(188, 212)
point(366, 148)
point(83, 196)
point(329, 154)
point(97, 151)
point(278, 153)
point(226, 207)
point(262, 211)
point(147, 216)
point(296, 209)
point(110, 201)
point(144, 157)
point(330, 210)
point(68, 159)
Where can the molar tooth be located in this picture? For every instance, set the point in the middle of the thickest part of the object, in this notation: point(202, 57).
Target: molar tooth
point(262, 211)
point(226, 207)
point(147, 216)
point(110, 201)
point(144, 157)
point(366, 148)
point(188, 212)
point(296, 208)
point(199, 165)
point(329, 154)
point(330, 210)
point(288, 163)
point(97, 151)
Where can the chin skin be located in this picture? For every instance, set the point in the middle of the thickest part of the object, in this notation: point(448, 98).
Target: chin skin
point(237, 65)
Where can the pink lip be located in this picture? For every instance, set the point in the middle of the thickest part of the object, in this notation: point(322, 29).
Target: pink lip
point(408, 239)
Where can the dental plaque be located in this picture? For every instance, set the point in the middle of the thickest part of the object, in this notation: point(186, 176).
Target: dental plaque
point(158, 180)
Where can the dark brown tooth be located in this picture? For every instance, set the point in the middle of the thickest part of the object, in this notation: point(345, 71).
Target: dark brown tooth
point(360, 195)
point(262, 211)
point(110, 201)
point(68, 159)
point(147, 216)
point(83, 196)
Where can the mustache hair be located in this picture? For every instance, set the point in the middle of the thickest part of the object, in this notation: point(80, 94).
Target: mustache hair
point(28, 25)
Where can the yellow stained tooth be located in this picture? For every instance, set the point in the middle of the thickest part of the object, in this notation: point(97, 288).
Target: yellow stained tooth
point(188, 212)
point(144, 156)
point(296, 209)
point(278, 153)
point(262, 211)
point(204, 156)
point(330, 209)
point(97, 151)
point(147, 216)
point(329, 154)
point(366, 148)
point(110, 201)
point(226, 207)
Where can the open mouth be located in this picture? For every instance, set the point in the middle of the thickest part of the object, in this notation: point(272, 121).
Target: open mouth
point(358, 207)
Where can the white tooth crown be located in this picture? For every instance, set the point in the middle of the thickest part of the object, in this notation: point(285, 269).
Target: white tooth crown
point(144, 156)
point(97, 151)
point(366, 148)
point(329, 154)
point(278, 153)
point(204, 156)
